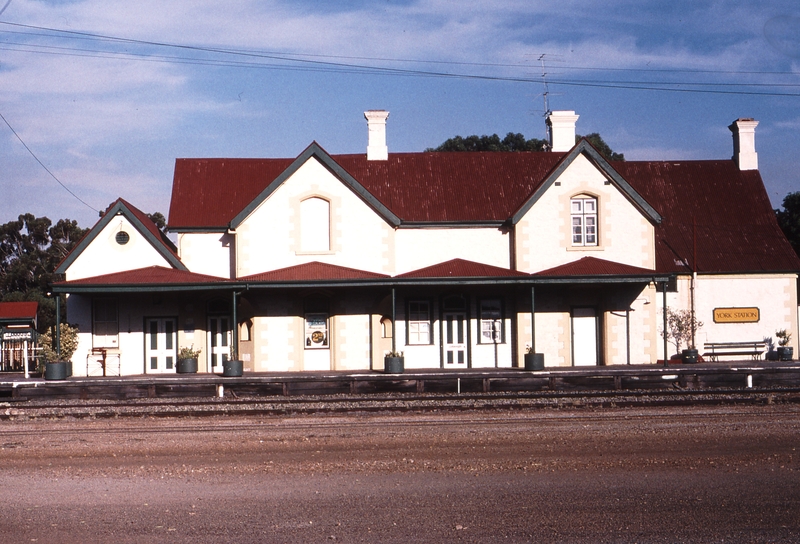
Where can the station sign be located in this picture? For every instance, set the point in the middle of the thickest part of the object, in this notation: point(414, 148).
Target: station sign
point(737, 315)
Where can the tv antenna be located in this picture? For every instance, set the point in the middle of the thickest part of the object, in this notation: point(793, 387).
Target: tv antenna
point(543, 58)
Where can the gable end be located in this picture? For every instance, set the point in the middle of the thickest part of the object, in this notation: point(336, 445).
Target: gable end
point(585, 148)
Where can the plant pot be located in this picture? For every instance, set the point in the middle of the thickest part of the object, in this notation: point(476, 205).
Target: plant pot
point(534, 361)
point(55, 371)
point(232, 368)
point(394, 365)
point(785, 353)
point(772, 355)
point(187, 366)
point(689, 356)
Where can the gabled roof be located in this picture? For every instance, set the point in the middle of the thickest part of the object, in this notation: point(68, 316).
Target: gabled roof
point(460, 268)
point(583, 147)
point(592, 266)
point(594, 270)
point(140, 222)
point(408, 188)
point(735, 230)
point(152, 278)
point(313, 271)
point(18, 310)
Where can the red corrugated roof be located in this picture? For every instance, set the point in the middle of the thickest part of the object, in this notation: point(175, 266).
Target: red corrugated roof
point(736, 228)
point(313, 271)
point(592, 266)
point(18, 310)
point(460, 268)
point(152, 275)
point(210, 192)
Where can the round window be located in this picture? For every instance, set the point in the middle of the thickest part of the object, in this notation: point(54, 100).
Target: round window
point(123, 237)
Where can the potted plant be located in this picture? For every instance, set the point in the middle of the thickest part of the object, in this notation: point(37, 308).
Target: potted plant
point(682, 325)
point(785, 351)
point(771, 354)
point(533, 361)
point(187, 360)
point(394, 362)
point(233, 367)
point(58, 366)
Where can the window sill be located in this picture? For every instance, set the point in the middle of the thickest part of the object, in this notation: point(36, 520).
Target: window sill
point(302, 253)
point(585, 248)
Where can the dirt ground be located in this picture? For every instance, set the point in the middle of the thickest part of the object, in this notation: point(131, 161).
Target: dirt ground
point(569, 475)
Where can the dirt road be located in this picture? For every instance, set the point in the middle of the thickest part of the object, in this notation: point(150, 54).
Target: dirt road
point(656, 475)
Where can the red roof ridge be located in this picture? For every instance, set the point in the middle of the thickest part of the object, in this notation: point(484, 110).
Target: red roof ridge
point(461, 268)
point(314, 270)
point(593, 266)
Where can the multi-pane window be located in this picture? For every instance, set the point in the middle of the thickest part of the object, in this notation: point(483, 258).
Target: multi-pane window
point(419, 322)
point(584, 221)
point(491, 321)
point(105, 323)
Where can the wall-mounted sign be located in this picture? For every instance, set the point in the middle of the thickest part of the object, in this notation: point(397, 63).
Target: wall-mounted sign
point(736, 315)
point(317, 331)
point(19, 335)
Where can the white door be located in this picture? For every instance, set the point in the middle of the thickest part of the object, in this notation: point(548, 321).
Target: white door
point(161, 340)
point(455, 340)
point(219, 341)
point(584, 337)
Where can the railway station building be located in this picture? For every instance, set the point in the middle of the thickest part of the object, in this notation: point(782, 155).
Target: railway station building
point(458, 260)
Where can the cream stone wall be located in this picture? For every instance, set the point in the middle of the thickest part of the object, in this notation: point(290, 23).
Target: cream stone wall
point(105, 256)
point(418, 248)
point(132, 312)
point(544, 235)
point(207, 253)
point(774, 296)
point(269, 238)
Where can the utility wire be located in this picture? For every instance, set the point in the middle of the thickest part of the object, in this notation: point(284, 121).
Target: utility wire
point(289, 62)
point(45, 167)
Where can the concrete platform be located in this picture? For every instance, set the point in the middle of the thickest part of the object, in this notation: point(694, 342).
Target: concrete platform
point(735, 374)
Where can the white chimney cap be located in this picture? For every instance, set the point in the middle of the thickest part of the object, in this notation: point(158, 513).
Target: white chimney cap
point(562, 129)
point(377, 150)
point(744, 143)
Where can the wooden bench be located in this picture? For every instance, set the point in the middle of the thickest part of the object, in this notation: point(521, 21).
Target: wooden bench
point(715, 350)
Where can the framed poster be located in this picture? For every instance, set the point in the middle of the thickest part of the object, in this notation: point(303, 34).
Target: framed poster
point(316, 331)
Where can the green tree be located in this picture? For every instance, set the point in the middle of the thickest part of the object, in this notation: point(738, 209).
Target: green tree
point(31, 248)
point(601, 146)
point(789, 219)
point(517, 142)
point(512, 142)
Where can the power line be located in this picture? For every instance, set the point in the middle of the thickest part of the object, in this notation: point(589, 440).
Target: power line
point(43, 166)
point(289, 61)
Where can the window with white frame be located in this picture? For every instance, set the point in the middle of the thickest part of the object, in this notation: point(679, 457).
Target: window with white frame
point(315, 225)
point(419, 322)
point(491, 315)
point(583, 210)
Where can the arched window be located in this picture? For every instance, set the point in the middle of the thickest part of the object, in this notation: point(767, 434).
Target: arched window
point(315, 225)
point(583, 210)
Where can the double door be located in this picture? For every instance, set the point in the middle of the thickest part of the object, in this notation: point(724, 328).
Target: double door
point(161, 341)
point(455, 339)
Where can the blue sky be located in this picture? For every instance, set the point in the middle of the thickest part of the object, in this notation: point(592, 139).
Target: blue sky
point(107, 94)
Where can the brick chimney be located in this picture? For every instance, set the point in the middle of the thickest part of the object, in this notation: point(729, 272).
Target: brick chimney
point(562, 129)
point(377, 150)
point(744, 143)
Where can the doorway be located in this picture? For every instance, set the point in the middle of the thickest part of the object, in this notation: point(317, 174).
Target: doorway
point(584, 337)
point(219, 341)
point(455, 339)
point(160, 341)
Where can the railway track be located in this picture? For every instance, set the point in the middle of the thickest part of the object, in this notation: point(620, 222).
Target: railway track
point(392, 403)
